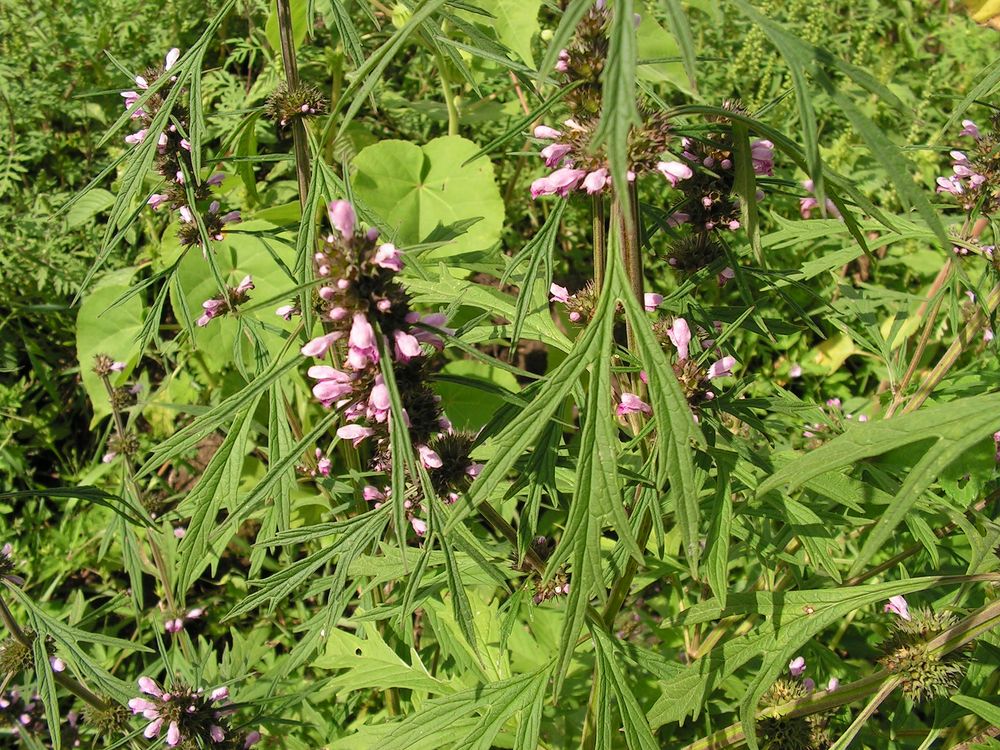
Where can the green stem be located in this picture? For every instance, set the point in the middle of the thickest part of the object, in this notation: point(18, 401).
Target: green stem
point(600, 241)
point(292, 80)
point(62, 679)
point(975, 625)
point(449, 99)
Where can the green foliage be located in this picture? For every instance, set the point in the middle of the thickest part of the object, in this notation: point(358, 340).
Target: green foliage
point(561, 524)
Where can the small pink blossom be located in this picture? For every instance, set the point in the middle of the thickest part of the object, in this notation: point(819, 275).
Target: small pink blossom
point(171, 58)
point(632, 404)
point(355, 433)
point(795, 371)
point(173, 734)
point(378, 401)
point(969, 128)
point(320, 345)
point(429, 458)
point(555, 153)
point(419, 526)
point(333, 384)
point(157, 199)
point(559, 293)
point(898, 606)
point(542, 132)
point(361, 344)
point(674, 171)
point(596, 181)
point(387, 256)
point(762, 155)
point(832, 685)
point(651, 301)
point(680, 337)
point(406, 346)
point(797, 666)
point(561, 182)
point(285, 311)
point(342, 218)
point(136, 137)
point(725, 276)
point(721, 369)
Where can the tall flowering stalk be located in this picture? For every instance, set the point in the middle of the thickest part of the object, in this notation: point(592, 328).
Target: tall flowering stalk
point(360, 303)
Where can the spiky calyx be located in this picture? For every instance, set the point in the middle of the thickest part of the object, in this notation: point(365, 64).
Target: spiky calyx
point(799, 733)
point(925, 675)
point(285, 104)
point(108, 722)
point(14, 655)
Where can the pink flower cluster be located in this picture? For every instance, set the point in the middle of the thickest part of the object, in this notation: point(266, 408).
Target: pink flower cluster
point(175, 625)
point(213, 308)
point(362, 303)
point(185, 713)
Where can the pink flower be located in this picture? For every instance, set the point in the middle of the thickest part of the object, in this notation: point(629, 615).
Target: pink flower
point(213, 308)
point(560, 182)
point(797, 666)
point(216, 733)
point(651, 301)
point(680, 337)
point(555, 153)
point(245, 285)
point(474, 470)
point(285, 311)
point(795, 372)
point(186, 215)
point(342, 218)
point(632, 404)
point(355, 433)
point(252, 739)
point(320, 345)
point(419, 526)
point(153, 730)
point(596, 181)
point(721, 369)
point(987, 335)
point(725, 276)
point(333, 384)
point(762, 155)
point(173, 734)
point(832, 685)
point(559, 293)
point(387, 256)
point(378, 401)
point(898, 606)
point(149, 687)
point(371, 493)
point(969, 128)
point(171, 58)
point(157, 199)
point(136, 137)
point(174, 625)
point(57, 664)
point(675, 171)
point(950, 185)
point(406, 346)
point(806, 205)
point(543, 132)
point(361, 343)
point(809, 684)
point(562, 64)
point(429, 458)
point(219, 694)
point(216, 179)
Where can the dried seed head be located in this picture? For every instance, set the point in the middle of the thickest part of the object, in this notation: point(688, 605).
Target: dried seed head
point(800, 733)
